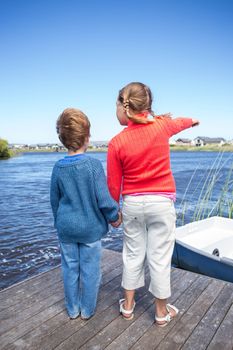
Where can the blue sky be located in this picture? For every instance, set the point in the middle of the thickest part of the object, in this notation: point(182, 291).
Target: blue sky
point(79, 53)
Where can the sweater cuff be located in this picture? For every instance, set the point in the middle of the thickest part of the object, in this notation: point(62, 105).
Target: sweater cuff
point(188, 122)
point(115, 218)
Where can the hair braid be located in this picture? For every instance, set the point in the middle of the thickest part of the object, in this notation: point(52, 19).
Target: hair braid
point(152, 113)
point(136, 98)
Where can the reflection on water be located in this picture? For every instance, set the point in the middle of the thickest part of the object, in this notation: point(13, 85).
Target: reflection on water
point(28, 240)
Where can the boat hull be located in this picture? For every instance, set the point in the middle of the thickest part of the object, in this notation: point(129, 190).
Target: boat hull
point(195, 260)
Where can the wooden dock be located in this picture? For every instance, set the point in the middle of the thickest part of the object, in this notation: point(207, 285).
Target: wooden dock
point(32, 315)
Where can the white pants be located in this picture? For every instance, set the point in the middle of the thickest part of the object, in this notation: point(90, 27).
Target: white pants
point(149, 232)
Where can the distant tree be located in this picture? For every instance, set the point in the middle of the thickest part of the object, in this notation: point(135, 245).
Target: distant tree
point(4, 150)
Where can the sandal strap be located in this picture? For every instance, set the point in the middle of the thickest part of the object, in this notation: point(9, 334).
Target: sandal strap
point(169, 306)
point(166, 318)
point(126, 312)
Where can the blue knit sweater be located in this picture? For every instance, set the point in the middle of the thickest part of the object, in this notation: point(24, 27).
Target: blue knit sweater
point(80, 200)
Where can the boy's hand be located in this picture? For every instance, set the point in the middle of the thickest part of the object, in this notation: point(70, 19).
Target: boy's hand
point(118, 222)
point(195, 122)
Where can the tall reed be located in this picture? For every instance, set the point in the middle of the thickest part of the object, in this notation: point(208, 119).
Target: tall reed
point(214, 190)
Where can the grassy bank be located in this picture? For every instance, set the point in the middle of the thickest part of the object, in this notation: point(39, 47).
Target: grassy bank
point(207, 148)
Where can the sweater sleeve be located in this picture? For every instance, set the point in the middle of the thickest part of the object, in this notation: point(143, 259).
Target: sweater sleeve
point(174, 126)
point(54, 195)
point(106, 203)
point(114, 172)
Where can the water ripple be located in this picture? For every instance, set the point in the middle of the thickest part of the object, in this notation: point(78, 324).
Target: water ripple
point(29, 243)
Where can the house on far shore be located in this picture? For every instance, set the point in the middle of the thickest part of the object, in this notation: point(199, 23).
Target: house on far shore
point(203, 140)
point(98, 144)
point(172, 142)
point(53, 147)
point(17, 146)
point(183, 142)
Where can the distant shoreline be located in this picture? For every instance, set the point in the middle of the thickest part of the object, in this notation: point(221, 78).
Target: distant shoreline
point(44, 150)
point(173, 148)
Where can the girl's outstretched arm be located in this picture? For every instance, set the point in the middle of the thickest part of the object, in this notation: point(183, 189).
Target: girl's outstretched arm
point(174, 126)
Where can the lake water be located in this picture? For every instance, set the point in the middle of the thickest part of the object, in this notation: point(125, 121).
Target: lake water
point(28, 240)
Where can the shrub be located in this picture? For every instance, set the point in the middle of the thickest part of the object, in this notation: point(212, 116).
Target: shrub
point(4, 150)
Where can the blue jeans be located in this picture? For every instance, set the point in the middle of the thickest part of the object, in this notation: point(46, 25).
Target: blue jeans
point(81, 277)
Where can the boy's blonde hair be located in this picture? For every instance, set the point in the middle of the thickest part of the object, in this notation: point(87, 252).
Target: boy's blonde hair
point(136, 98)
point(73, 128)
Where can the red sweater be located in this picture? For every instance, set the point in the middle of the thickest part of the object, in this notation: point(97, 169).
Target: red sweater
point(139, 157)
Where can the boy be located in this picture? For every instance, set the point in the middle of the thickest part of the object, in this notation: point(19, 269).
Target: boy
point(82, 208)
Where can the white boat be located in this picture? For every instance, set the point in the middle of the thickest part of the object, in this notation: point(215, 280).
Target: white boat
point(206, 247)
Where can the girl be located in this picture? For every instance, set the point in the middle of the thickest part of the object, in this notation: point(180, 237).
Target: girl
point(139, 168)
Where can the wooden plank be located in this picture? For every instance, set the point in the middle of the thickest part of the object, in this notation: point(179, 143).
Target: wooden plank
point(113, 283)
point(33, 330)
point(110, 283)
point(155, 335)
point(205, 330)
point(111, 274)
point(14, 294)
point(223, 338)
point(24, 289)
point(81, 337)
point(141, 292)
point(17, 318)
point(190, 319)
point(45, 292)
point(41, 321)
point(106, 313)
point(131, 337)
point(110, 259)
point(55, 312)
point(119, 325)
point(27, 303)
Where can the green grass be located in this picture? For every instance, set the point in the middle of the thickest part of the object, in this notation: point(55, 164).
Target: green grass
point(206, 148)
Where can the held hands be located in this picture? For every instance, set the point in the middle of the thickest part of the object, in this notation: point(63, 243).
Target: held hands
point(195, 122)
point(118, 222)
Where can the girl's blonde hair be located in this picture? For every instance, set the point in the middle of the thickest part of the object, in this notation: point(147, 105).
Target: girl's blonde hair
point(136, 98)
point(73, 128)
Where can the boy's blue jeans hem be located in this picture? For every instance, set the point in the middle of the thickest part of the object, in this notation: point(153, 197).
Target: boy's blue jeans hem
point(81, 277)
point(74, 316)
